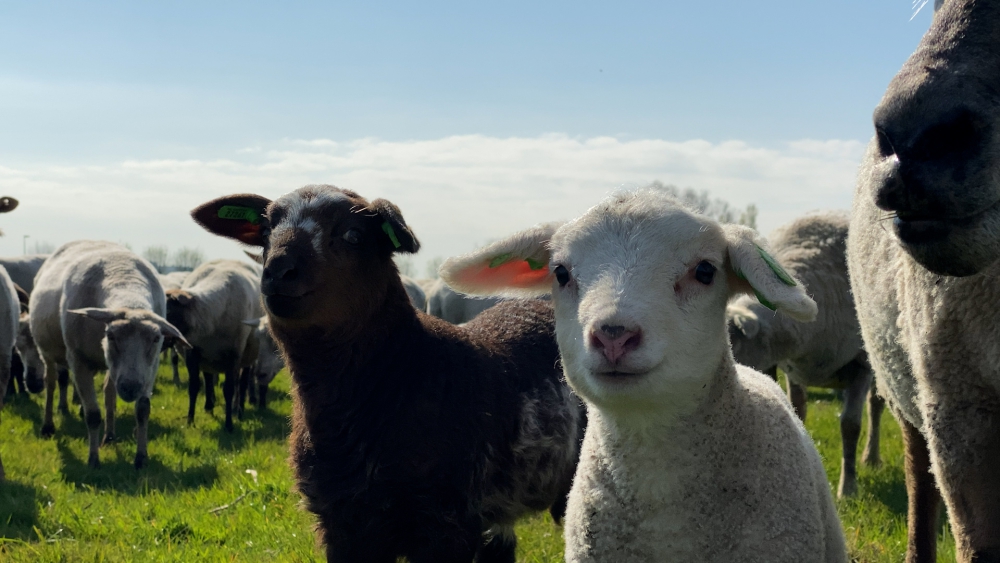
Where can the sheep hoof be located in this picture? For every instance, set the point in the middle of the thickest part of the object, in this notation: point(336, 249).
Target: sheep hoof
point(229, 426)
point(871, 460)
point(93, 461)
point(847, 489)
point(108, 438)
point(64, 410)
point(141, 460)
point(48, 430)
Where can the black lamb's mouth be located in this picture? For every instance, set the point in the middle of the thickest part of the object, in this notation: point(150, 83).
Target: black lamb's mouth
point(923, 228)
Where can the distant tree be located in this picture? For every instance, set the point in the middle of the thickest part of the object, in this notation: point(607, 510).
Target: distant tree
point(157, 255)
point(187, 258)
point(432, 267)
point(716, 208)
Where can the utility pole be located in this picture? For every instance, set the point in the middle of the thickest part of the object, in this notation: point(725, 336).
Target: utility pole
point(25, 241)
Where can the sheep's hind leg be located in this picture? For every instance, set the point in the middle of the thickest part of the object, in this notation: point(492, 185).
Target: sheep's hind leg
point(63, 380)
point(110, 404)
point(175, 358)
point(241, 396)
point(51, 373)
point(228, 393)
point(859, 380)
point(876, 405)
point(193, 361)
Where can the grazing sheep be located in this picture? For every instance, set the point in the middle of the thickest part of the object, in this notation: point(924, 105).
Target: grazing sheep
point(922, 253)
point(174, 280)
point(209, 310)
point(97, 306)
point(269, 363)
point(411, 437)
point(824, 353)
point(23, 269)
point(687, 455)
point(10, 310)
point(445, 303)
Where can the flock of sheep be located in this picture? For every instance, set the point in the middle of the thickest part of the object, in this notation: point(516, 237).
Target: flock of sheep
point(616, 370)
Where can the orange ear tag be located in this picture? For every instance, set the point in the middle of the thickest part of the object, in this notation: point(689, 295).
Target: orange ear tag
point(515, 273)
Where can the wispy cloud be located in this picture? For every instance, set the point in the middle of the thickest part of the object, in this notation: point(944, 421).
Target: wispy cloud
point(455, 191)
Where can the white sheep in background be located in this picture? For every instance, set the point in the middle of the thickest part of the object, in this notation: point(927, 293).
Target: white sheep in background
point(269, 362)
point(209, 310)
point(10, 311)
point(824, 353)
point(174, 280)
point(23, 269)
point(445, 303)
point(687, 455)
point(98, 306)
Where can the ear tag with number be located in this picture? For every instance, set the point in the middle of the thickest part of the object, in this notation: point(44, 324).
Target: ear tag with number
point(239, 212)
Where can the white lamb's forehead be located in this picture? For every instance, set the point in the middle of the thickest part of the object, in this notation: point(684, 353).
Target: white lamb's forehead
point(635, 227)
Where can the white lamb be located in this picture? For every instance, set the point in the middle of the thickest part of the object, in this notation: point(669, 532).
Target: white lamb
point(97, 306)
point(687, 456)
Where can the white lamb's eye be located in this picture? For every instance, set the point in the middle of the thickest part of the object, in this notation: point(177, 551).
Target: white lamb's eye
point(352, 236)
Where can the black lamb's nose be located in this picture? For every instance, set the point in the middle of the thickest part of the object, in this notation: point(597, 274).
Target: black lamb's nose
point(278, 270)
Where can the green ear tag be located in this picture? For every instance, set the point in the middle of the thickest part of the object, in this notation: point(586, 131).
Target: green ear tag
point(764, 301)
point(392, 234)
point(239, 212)
point(775, 267)
point(500, 260)
point(535, 264)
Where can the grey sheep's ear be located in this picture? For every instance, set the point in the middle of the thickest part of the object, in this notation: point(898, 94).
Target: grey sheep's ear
point(171, 333)
point(258, 258)
point(747, 322)
point(396, 235)
point(100, 315)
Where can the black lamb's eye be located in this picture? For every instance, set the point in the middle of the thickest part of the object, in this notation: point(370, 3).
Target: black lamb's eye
point(562, 275)
point(352, 236)
point(704, 272)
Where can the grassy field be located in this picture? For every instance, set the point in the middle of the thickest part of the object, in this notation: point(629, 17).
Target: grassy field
point(212, 496)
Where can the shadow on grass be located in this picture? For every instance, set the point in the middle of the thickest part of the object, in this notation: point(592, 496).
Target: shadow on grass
point(256, 426)
point(19, 510)
point(118, 473)
point(889, 488)
point(24, 406)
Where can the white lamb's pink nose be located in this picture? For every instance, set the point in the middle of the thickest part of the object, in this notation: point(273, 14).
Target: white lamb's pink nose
point(615, 341)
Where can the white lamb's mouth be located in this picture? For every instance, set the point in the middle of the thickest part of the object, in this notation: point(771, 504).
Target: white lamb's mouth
point(620, 374)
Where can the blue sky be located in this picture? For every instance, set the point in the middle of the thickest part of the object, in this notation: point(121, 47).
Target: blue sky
point(91, 92)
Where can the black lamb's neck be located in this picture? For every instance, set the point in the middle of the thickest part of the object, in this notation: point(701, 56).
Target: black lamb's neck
point(339, 371)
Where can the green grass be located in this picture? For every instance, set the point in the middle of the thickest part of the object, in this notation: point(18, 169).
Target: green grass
point(54, 508)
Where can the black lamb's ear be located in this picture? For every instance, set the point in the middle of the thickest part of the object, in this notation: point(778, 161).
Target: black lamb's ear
point(396, 234)
point(238, 217)
point(7, 204)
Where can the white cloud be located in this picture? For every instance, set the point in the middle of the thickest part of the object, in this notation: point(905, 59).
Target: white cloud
point(455, 192)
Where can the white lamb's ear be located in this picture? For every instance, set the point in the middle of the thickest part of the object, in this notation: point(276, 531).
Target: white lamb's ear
point(756, 272)
point(517, 266)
